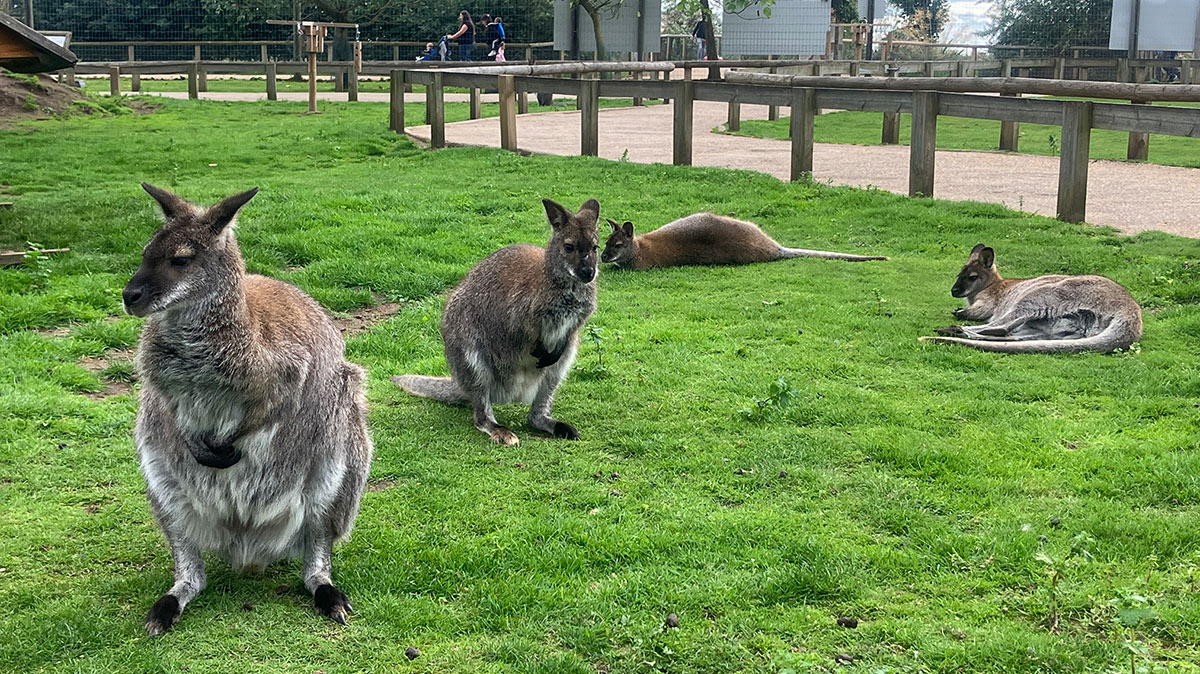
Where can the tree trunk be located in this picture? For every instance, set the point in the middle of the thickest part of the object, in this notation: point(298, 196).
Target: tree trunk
point(710, 41)
point(597, 31)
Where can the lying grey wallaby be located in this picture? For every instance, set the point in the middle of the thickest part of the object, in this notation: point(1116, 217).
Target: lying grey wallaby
point(252, 427)
point(703, 239)
point(511, 328)
point(1047, 314)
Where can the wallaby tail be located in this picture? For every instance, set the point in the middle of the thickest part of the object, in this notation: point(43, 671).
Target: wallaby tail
point(442, 389)
point(785, 253)
point(1118, 335)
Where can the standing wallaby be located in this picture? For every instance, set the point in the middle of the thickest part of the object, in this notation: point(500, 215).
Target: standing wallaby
point(702, 239)
point(1047, 314)
point(511, 328)
point(252, 427)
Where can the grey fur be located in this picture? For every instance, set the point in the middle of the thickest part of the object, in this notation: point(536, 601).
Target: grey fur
point(1047, 314)
point(242, 368)
point(511, 328)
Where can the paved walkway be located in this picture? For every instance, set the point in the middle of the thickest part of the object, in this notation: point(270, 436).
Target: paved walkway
point(1130, 197)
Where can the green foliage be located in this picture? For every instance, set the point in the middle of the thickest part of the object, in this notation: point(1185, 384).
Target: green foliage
point(1057, 25)
point(780, 396)
point(36, 263)
point(924, 19)
point(30, 103)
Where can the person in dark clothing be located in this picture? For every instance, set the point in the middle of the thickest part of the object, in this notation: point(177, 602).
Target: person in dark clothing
point(700, 32)
point(495, 36)
point(465, 36)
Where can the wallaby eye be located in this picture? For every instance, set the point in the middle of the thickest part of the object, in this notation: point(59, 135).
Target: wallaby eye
point(179, 262)
point(569, 248)
point(972, 277)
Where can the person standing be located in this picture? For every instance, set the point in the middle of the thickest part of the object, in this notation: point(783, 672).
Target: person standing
point(700, 32)
point(465, 36)
point(494, 36)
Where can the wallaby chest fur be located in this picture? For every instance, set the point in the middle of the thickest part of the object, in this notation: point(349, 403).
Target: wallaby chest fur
point(704, 239)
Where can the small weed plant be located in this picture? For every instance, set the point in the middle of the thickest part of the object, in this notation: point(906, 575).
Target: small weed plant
point(780, 396)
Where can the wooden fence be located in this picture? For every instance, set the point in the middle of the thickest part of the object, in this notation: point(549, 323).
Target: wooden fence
point(1076, 118)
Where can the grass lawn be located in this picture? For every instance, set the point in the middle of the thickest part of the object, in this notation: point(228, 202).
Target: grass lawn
point(930, 492)
point(957, 133)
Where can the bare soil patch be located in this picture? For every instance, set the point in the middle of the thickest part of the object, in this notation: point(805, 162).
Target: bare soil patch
point(113, 385)
point(34, 97)
point(360, 321)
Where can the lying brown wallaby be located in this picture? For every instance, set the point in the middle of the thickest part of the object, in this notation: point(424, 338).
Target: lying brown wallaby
point(1047, 314)
point(511, 328)
point(702, 239)
point(252, 427)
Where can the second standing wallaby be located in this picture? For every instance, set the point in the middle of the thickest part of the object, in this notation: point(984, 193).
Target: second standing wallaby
point(511, 328)
point(1047, 314)
point(252, 427)
point(704, 239)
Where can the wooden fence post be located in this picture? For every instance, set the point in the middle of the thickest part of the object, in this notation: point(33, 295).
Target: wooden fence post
point(437, 124)
point(1060, 68)
point(1073, 160)
point(804, 111)
point(272, 81)
point(506, 86)
point(396, 101)
point(1005, 67)
point(1139, 143)
point(681, 151)
point(922, 144)
point(637, 76)
point(589, 131)
point(135, 78)
point(523, 102)
point(1010, 132)
point(773, 110)
point(352, 78)
point(262, 53)
point(734, 119)
point(114, 81)
point(70, 78)
point(475, 108)
point(193, 80)
point(891, 120)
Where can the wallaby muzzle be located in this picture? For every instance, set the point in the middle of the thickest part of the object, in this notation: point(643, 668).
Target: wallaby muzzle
point(137, 295)
point(586, 273)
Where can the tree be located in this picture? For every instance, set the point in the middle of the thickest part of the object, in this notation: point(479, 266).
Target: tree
point(924, 19)
point(594, 9)
point(1054, 24)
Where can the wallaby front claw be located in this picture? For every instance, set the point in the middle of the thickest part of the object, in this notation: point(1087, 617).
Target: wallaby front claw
point(565, 431)
point(503, 436)
point(332, 603)
point(162, 616)
point(959, 312)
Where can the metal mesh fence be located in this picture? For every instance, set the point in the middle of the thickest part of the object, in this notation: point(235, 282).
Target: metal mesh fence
point(389, 29)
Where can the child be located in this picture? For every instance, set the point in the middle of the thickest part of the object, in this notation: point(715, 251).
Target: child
point(428, 54)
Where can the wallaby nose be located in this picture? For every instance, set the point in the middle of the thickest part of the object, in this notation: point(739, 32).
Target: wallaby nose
point(586, 274)
point(131, 297)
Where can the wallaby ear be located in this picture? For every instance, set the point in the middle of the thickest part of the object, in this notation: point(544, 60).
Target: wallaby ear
point(589, 212)
point(978, 247)
point(615, 227)
point(220, 215)
point(172, 204)
point(555, 213)
point(627, 228)
point(987, 257)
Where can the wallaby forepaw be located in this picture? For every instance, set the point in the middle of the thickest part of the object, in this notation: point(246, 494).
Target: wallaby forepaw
point(162, 615)
point(332, 603)
point(502, 436)
point(565, 430)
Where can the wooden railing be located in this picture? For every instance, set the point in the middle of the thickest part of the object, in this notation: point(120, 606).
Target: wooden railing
point(131, 46)
point(1077, 118)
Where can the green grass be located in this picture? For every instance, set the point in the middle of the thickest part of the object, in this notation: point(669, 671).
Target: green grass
point(908, 485)
point(957, 133)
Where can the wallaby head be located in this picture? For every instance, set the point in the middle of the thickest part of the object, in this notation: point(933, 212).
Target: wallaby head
point(572, 251)
point(619, 248)
point(189, 258)
point(978, 273)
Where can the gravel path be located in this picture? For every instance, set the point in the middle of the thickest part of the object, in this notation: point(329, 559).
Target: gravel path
point(1130, 197)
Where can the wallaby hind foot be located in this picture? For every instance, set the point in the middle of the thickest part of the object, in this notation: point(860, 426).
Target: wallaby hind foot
point(163, 615)
point(332, 603)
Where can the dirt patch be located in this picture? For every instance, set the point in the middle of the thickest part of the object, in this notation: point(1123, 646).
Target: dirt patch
point(34, 96)
point(115, 369)
point(362, 320)
point(380, 485)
